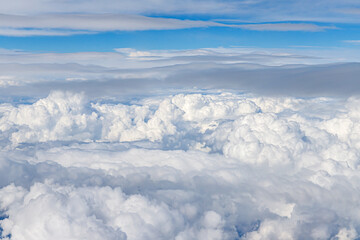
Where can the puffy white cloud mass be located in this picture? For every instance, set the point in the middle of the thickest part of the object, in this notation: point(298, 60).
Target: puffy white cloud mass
point(209, 165)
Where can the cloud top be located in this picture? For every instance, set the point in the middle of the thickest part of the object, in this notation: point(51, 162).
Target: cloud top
point(184, 166)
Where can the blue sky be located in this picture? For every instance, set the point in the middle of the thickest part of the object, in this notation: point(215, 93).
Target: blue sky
point(209, 37)
point(75, 26)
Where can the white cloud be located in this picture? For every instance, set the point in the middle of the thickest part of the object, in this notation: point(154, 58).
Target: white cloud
point(14, 32)
point(284, 27)
point(96, 73)
point(352, 41)
point(127, 58)
point(54, 118)
point(31, 7)
point(8, 81)
point(353, 10)
point(255, 11)
point(91, 22)
point(71, 24)
point(278, 167)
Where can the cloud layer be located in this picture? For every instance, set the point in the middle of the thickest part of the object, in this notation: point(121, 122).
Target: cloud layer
point(185, 166)
point(130, 72)
point(72, 24)
point(253, 10)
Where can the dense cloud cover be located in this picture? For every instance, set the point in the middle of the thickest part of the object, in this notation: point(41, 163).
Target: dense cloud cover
point(187, 166)
point(129, 72)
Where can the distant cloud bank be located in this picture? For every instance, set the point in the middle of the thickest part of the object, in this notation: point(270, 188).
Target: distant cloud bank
point(129, 72)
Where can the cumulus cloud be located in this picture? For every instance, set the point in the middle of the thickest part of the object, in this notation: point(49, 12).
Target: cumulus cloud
point(183, 166)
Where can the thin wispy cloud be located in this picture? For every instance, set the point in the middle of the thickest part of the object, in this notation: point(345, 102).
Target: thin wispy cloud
point(352, 41)
point(16, 32)
point(73, 24)
point(56, 18)
point(285, 27)
point(354, 11)
point(55, 24)
point(246, 10)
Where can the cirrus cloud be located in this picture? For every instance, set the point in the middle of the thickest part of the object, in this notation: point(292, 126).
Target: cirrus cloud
point(72, 24)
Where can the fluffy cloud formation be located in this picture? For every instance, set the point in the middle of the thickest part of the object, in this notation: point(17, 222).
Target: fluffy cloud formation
point(186, 166)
